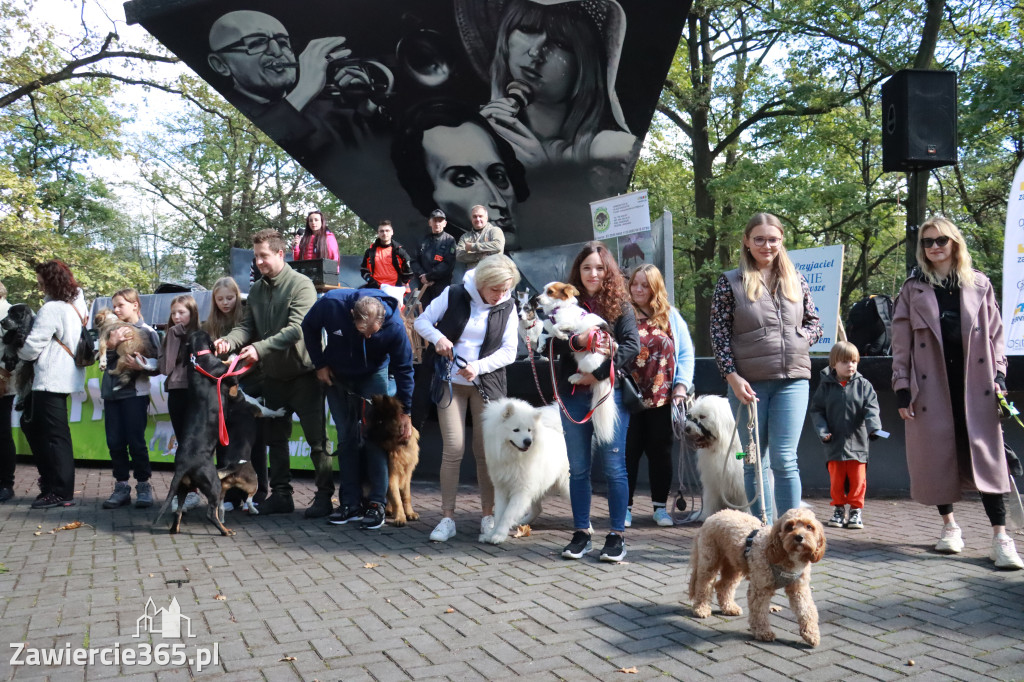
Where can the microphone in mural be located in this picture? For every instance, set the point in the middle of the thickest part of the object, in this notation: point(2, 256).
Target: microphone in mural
point(521, 95)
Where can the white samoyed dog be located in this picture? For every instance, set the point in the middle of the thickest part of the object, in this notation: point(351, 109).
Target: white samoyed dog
point(711, 429)
point(526, 458)
point(564, 318)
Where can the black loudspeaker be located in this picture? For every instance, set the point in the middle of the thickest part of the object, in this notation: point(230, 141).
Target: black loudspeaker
point(918, 120)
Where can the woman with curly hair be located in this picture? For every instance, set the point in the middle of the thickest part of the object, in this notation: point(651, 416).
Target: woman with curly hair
point(663, 371)
point(603, 292)
point(55, 332)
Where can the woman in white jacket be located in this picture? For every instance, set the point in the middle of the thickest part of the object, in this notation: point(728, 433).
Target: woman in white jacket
point(474, 322)
point(45, 420)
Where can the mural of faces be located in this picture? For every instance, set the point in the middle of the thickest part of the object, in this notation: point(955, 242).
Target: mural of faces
point(466, 170)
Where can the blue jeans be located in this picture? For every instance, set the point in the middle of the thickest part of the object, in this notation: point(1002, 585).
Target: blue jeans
point(781, 410)
point(582, 450)
point(357, 457)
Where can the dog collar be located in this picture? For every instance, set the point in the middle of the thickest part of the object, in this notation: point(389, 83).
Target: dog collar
point(780, 577)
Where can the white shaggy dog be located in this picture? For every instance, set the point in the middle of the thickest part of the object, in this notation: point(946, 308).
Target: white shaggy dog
point(711, 429)
point(526, 459)
point(565, 318)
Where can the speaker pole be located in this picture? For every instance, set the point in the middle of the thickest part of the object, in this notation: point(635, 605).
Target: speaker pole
point(917, 202)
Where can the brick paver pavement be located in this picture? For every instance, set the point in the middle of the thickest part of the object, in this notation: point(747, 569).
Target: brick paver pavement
point(303, 600)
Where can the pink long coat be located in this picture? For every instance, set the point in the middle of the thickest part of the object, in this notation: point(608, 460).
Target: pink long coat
point(918, 365)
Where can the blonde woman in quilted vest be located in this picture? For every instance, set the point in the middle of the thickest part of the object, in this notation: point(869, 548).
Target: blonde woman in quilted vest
point(763, 324)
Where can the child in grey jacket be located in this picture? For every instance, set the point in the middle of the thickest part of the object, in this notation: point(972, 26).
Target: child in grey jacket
point(844, 411)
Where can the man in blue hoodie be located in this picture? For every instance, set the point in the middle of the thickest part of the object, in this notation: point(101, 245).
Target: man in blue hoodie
point(365, 339)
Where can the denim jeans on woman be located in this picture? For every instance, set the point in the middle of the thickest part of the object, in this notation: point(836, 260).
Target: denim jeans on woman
point(357, 460)
point(612, 455)
point(781, 410)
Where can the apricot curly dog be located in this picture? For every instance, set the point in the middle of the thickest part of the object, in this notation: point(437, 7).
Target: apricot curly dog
point(732, 545)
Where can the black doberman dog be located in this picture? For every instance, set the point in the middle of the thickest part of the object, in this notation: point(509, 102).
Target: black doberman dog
point(193, 459)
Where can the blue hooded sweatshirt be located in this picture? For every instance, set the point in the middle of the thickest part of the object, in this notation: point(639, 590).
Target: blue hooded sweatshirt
point(349, 354)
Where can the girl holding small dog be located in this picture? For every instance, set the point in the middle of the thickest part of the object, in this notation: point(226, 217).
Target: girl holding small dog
point(763, 324)
point(56, 329)
point(126, 407)
point(475, 321)
point(602, 288)
point(844, 411)
point(948, 367)
point(663, 371)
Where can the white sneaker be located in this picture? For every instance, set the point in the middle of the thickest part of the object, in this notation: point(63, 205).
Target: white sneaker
point(486, 525)
point(444, 531)
point(952, 541)
point(192, 500)
point(662, 517)
point(1004, 553)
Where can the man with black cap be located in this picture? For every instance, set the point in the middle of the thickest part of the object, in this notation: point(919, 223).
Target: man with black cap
point(435, 260)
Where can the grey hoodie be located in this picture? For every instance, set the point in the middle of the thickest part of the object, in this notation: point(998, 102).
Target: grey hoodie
point(848, 412)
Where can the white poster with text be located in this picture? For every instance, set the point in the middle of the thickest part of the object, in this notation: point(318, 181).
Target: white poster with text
point(621, 215)
point(1013, 267)
point(823, 269)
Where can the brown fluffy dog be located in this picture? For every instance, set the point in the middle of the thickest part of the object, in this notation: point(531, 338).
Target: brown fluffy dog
point(781, 557)
point(384, 429)
point(106, 322)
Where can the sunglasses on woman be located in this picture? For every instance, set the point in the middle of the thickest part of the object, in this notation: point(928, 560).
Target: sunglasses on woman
point(929, 242)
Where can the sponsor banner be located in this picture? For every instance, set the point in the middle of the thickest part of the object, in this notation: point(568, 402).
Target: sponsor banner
point(823, 270)
point(1013, 268)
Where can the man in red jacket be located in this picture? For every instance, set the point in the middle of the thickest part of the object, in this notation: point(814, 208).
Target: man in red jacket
point(386, 261)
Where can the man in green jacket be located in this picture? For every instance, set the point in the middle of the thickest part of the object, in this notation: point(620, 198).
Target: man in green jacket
point(271, 333)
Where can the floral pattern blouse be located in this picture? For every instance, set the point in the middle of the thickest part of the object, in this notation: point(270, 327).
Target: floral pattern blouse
point(655, 364)
point(722, 305)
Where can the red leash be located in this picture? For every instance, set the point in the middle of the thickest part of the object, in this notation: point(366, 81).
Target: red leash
point(232, 372)
point(592, 342)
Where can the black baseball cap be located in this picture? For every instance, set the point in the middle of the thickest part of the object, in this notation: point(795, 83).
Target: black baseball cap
point(438, 213)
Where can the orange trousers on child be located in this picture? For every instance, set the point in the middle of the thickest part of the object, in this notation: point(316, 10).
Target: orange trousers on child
point(838, 473)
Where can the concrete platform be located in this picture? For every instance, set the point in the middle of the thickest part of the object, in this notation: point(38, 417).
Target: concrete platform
point(296, 599)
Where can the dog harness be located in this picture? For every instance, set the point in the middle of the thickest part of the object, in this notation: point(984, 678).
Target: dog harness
point(780, 577)
point(232, 372)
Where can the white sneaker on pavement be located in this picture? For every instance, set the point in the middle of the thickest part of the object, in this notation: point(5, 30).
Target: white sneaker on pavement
point(1004, 553)
point(952, 540)
point(444, 531)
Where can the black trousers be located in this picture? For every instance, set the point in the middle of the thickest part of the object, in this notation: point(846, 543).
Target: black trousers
point(45, 425)
point(125, 421)
point(8, 451)
point(650, 432)
point(303, 396)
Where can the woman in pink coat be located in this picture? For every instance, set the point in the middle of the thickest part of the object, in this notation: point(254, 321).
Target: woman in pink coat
point(948, 368)
point(316, 241)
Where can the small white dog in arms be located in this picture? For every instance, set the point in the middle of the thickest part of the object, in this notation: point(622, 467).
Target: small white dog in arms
point(566, 317)
point(711, 428)
point(526, 458)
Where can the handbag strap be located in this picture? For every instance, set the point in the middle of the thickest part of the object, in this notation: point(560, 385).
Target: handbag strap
point(57, 338)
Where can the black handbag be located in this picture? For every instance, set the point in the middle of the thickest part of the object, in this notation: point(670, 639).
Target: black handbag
point(631, 398)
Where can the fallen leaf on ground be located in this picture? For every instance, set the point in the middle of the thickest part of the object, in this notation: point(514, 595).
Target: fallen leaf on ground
point(219, 597)
point(150, 575)
point(449, 610)
point(522, 531)
point(774, 608)
point(369, 565)
point(69, 526)
point(911, 662)
point(287, 659)
point(38, 532)
point(631, 671)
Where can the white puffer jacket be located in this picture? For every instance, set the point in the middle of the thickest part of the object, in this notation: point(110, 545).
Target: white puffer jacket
point(55, 368)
